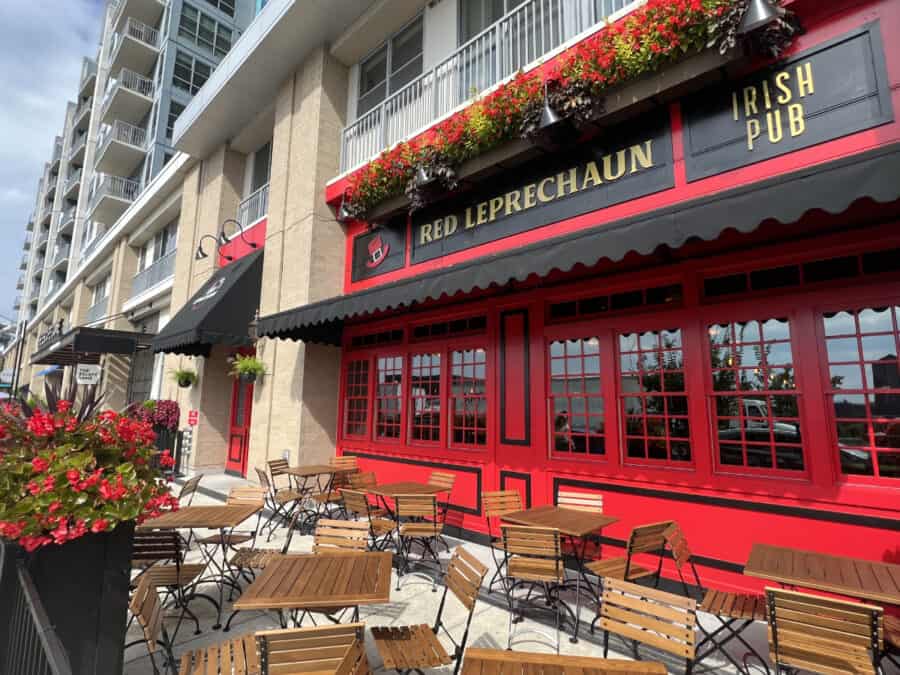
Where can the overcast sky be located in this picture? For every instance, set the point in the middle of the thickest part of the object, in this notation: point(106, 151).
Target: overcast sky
point(41, 45)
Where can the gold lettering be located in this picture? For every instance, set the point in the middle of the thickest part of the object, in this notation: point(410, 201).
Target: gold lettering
point(750, 107)
point(753, 132)
point(512, 201)
point(541, 191)
point(481, 210)
point(805, 84)
point(425, 234)
point(566, 182)
point(496, 205)
point(529, 191)
point(767, 98)
point(621, 166)
point(439, 228)
point(785, 95)
point(469, 222)
point(591, 176)
point(641, 155)
point(776, 133)
point(735, 106)
point(796, 119)
point(450, 225)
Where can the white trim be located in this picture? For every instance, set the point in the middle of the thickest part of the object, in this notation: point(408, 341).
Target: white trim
point(150, 295)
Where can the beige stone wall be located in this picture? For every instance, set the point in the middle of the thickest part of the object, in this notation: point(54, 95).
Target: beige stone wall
point(295, 405)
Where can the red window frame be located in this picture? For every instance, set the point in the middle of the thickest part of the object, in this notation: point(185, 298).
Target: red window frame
point(473, 401)
point(389, 397)
point(426, 368)
point(572, 411)
point(356, 391)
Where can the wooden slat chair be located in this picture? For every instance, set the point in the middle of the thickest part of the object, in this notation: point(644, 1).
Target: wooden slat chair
point(534, 559)
point(735, 611)
point(330, 499)
point(589, 502)
point(649, 539)
point(363, 480)
point(147, 608)
point(381, 529)
point(281, 502)
point(651, 617)
point(186, 498)
point(823, 635)
point(445, 481)
point(237, 656)
point(495, 505)
point(418, 521)
point(412, 648)
point(892, 639)
point(345, 462)
point(500, 662)
point(340, 535)
point(278, 468)
point(243, 495)
point(322, 650)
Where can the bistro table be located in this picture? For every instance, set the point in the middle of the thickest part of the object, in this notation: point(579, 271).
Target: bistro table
point(408, 487)
point(852, 577)
point(307, 477)
point(571, 523)
point(320, 581)
point(223, 518)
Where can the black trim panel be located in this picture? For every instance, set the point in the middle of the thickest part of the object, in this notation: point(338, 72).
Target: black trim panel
point(517, 475)
point(527, 377)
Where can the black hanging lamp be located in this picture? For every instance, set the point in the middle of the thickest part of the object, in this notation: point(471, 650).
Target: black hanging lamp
point(759, 14)
point(224, 239)
point(200, 254)
point(549, 117)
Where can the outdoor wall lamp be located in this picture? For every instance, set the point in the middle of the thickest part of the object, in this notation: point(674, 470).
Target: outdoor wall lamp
point(549, 117)
point(224, 238)
point(201, 254)
point(759, 13)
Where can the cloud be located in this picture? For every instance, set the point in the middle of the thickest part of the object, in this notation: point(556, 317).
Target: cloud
point(40, 66)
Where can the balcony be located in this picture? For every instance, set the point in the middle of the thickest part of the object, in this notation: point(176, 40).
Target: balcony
point(51, 188)
point(128, 97)
point(20, 282)
point(76, 151)
point(145, 11)
point(60, 255)
point(29, 226)
point(111, 197)
point(96, 311)
point(88, 77)
point(136, 47)
point(26, 245)
point(17, 303)
point(56, 156)
point(254, 207)
point(35, 291)
point(520, 38)
point(120, 148)
point(67, 220)
point(73, 184)
point(157, 272)
point(92, 243)
point(82, 118)
point(42, 236)
point(23, 263)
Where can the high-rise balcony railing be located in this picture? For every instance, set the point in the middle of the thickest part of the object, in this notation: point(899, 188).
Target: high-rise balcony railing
point(523, 36)
point(141, 31)
point(135, 47)
point(67, 218)
point(60, 253)
point(76, 150)
point(156, 273)
point(128, 97)
point(254, 207)
point(42, 237)
point(73, 182)
point(97, 311)
point(88, 74)
point(78, 120)
point(120, 148)
point(115, 187)
point(57, 152)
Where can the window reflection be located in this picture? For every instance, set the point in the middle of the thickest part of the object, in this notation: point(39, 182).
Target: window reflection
point(576, 404)
point(425, 397)
point(469, 397)
point(388, 397)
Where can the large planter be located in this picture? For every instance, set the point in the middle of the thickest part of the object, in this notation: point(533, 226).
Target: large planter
point(83, 586)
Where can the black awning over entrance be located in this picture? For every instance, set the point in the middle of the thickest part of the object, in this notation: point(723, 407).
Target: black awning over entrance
point(219, 313)
point(832, 187)
point(86, 345)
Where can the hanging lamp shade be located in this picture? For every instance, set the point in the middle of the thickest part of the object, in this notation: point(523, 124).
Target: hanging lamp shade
point(549, 116)
point(760, 13)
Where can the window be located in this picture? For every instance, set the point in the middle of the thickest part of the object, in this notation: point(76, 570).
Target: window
point(468, 397)
point(576, 400)
point(453, 328)
point(756, 409)
point(204, 31)
point(100, 291)
point(864, 375)
point(394, 65)
point(388, 397)
point(425, 398)
point(476, 15)
point(653, 398)
point(175, 109)
point(190, 73)
point(225, 6)
point(262, 163)
point(356, 398)
point(617, 302)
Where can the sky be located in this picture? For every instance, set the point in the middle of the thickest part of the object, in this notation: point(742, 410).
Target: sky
point(42, 43)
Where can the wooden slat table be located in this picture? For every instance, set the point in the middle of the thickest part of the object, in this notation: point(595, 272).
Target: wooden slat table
point(323, 580)
point(853, 577)
point(502, 662)
point(408, 487)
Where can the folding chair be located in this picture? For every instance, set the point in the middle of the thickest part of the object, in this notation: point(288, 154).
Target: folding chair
point(651, 617)
point(147, 608)
point(445, 481)
point(892, 639)
point(823, 635)
point(589, 502)
point(381, 529)
point(238, 495)
point(279, 467)
point(412, 648)
point(281, 502)
point(735, 611)
point(534, 559)
point(495, 505)
point(186, 498)
point(423, 526)
point(323, 650)
point(363, 480)
point(345, 462)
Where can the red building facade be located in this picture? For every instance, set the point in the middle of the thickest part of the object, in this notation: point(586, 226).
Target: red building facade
point(694, 311)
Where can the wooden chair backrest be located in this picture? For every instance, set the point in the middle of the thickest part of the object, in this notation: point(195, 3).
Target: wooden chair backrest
point(364, 480)
point(341, 535)
point(278, 467)
point(292, 527)
point(189, 488)
point(812, 632)
point(443, 480)
point(156, 545)
point(263, 478)
point(416, 506)
point(649, 538)
point(591, 502)
point(345, 462)
point(480, 661)
point(540, 544)
point(355, 502)
point(650, 616)
point(464, 576)
point(322, 649)
point(148, 610)
point(246, 495)
point(500, 503)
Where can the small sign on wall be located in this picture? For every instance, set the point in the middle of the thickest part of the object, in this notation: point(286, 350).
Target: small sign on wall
point(193, 417)
point(86, 373)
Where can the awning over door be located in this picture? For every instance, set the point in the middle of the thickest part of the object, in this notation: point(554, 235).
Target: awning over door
point(86, 345)
point(832, 187)
point(219, 313)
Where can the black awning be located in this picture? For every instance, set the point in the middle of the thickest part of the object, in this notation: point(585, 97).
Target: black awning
point(86, 345)
point(832, 187)
point(219, 313)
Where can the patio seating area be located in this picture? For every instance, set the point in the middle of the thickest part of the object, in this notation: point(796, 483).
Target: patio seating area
point(336, 590)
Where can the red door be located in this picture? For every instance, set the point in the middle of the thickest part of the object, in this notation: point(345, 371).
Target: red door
point(239, 430)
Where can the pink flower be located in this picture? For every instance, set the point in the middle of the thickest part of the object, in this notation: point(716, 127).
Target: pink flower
point(33, 488)
point(32, 543)
point(39, 465)
point(99, 525)
point(54, 507)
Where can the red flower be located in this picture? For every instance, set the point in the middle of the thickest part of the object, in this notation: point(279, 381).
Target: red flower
point(54, 507)
point(39, 465)
point(49, 483)
point(166, 460)
point(63, 406)
point(11, 530)
point(99, 525)
point(33, 488)
point(32, 543)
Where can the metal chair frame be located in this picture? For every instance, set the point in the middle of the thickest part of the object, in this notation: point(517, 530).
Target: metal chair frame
point(417, 509)
point(496, 505)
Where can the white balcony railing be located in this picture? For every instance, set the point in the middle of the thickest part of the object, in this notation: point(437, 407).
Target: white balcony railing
point(122, 132)
point(116, 187)
point(523, 36)
point(42, 237)
point(83, 106)
point(254, 207)
point(72, 179)
point(57, 151)
point(60, 253)
point(78, 144)
point(88, 247)
point(127, 80)
point(96, 311)
point(88, 69)
point(141, 31)
point(67, 217)
point(158, 271)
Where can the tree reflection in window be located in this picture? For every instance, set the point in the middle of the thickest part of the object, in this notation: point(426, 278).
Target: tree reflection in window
point(468, 397)
point(576, 401)
point(425, 397)
point(388, 397)
point(755, 395)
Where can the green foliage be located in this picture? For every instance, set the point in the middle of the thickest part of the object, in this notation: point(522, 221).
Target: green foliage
point(247, 366)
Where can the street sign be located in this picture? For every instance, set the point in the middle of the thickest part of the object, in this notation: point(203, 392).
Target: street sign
point(86, 373)
point(193, 417)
